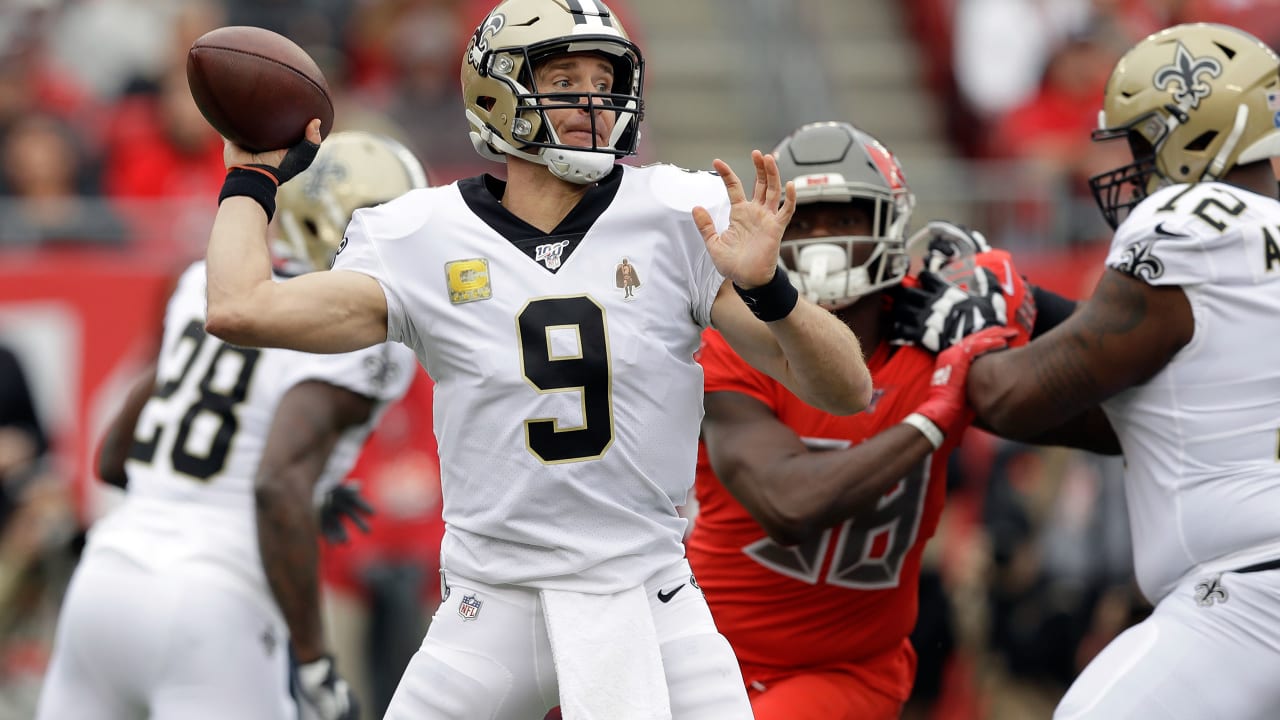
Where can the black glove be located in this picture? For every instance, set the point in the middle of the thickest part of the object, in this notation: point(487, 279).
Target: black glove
point(343, 501)
point(322, 694)
point(940, 312)
point(298, 158)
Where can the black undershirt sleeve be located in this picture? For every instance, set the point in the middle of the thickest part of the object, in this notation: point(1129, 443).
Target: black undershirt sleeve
point(1051, 309)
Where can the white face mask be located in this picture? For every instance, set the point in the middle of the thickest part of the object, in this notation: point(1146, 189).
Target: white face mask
point(823, 276)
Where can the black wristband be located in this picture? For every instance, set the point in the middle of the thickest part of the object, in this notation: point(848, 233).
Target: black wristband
point(773, 300)
point(251, 183)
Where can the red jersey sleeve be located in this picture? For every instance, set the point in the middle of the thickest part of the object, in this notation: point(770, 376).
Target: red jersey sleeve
point(724, 371)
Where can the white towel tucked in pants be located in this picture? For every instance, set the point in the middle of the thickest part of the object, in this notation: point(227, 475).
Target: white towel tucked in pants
point(606, 655)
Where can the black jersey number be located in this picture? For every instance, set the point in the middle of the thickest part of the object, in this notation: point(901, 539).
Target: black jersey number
point(564, 347)
point(870, 548)
point(1210, 207)
point(217, 401)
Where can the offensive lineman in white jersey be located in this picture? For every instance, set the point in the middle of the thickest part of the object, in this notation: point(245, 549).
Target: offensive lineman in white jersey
point(1178, 344)
point(172, 614)
point(567, 397)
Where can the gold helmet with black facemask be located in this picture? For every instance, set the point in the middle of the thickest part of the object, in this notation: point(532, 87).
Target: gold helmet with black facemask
point(1193, 101)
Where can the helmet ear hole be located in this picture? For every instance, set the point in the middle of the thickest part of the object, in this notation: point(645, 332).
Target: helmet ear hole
point(487, 102)
point(1202, 141)
point(311, 226)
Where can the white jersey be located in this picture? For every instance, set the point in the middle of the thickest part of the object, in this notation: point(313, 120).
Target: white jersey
point(201, 435)
point(1200, 438)
point(567, 399)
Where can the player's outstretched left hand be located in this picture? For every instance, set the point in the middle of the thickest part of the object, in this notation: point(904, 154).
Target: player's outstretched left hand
point(322, 693)
point(747, 251)
point(343, 503)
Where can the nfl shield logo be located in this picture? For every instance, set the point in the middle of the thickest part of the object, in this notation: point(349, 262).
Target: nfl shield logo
point(469, 608)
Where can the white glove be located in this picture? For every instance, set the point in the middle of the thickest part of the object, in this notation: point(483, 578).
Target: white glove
point(322, 693)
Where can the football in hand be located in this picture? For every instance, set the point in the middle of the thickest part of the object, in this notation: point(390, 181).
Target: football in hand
point(257, 88)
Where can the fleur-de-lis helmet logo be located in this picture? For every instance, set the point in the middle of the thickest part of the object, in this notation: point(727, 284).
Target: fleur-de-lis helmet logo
point(1184, 75)
point(479, 44)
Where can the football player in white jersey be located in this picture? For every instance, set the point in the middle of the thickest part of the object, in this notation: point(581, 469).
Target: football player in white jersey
point(567, 400)
point(193, 595)
point(1178, 345)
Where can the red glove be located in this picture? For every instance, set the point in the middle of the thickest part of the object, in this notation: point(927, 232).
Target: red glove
point(1020, 303)
point(946, 409)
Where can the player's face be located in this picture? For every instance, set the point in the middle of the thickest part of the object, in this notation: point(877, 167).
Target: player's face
point(834, 219)
point(577, 72)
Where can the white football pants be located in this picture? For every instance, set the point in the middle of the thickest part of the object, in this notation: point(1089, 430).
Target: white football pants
point(1207, 651)
point(498, 664)
point(132, 643)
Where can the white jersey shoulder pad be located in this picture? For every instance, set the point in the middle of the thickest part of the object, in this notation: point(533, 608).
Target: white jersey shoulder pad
point(682, 190)
point(404, 215)
point(1192, 234)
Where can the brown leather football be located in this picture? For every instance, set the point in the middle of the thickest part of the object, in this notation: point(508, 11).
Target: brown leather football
point(257, 88)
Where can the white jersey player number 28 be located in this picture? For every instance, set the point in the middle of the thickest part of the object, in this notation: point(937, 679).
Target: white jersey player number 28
point(217, 394)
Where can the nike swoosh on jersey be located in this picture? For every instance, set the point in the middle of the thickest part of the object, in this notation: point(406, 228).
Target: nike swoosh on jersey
point(1166, 233)
point(666, 596)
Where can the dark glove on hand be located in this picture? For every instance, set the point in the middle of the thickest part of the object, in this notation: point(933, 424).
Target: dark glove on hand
point(939, 312)
point(298, 158)
point(322, 694)
point(343, 501)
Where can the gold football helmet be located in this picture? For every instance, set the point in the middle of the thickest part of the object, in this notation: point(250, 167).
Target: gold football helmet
point(352, 170)
point(507, 113)
point(1193, 101)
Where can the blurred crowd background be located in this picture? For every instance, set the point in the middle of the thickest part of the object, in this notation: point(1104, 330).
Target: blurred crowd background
point(108, 181)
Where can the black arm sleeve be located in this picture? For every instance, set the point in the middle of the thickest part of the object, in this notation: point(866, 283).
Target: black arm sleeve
point(1051, 309)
